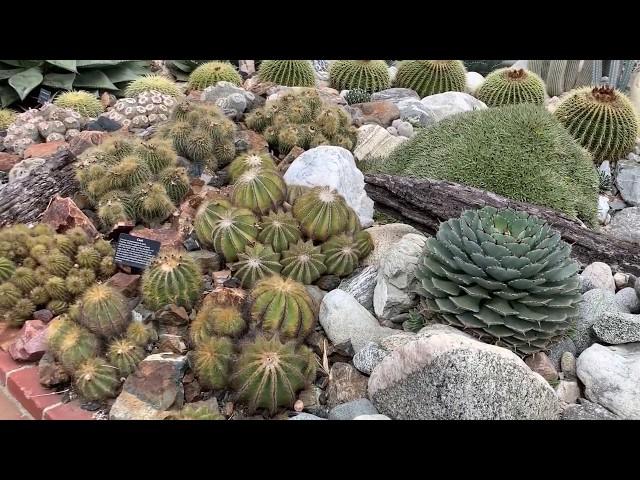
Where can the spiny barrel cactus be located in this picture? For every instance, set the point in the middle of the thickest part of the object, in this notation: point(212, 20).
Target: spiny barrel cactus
point(601, 119)
point(57, 263)
point(104, 311)
point(88, 257)
point(282, 306)
point(176, 182)
point(9, 295)
point(151, 203)
point(210, 73)
point(364, 243)
point(73, 344)
point(173, 277)
point(21, 312)
point(342, 254)
point(217, 320)
point(368, 75)
point(259, 190)
point(269, 373)
point(322, 212)
point(152, 82)
point(249, 161)
point(303, 262)
point(141, 334)
point(128, 173)
point(279, 230)
point(255, 263)
point(227, 229)
point(211, 362)
point(357, 95)
point(501, 274)
point(125, 355)
point(291, 73)
point(85, 103)
point(508, 86)
point(429, 77)
point(96, 380)
point(7, 269)
point(56, 288)
point(156, 154)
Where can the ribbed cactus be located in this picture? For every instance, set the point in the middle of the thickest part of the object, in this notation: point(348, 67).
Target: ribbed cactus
point(255, 263)
point(141, 334)
point(225, 228)
point(104, 311)
point(176, 183)
point(85, 103)
point(9, 295)
point(508, 86)
point(602, 120)
point(279, 230)
point(7, 269)
point(291, 73)
point(151, 203)
point(269, 373)
point(157, 155)
point(249, 161)
point(173, 277)
point(88, 257)
point(364, 243)
point(211, 362)
point(501, 274)
point(281, 306)
point(368, 75)
point(96, 380)
point(21, 312)
point(322, 212)
point(217, 320)
point(128, 173)
point(210, 73)
point(56, 288)
point(190, 412)
point(342, 254)
point(125, 355)
point(259, 190)
point(429, 77)
point(71, 343)
point(147, 83)
point(57, 263)
point(303, 262)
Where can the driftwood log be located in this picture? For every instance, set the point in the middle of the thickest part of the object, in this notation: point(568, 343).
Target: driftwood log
point(425, 203)
point(26, 200)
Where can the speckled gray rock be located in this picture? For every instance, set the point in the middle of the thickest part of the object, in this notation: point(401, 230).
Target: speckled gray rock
point(344, 319)
point(378, 416)
point(443, 105)
point(628, 180)
point(611, 377)
point(597, 275)
point(615, 328)
point(594, 303)
point(559, 348)
point(450, 376)
point(405, 129)
point(306, 416)
point(628, 298)
point(626, 225)
point(360, 284)
point(383, 238)
point(368, 357)
point(568, 391)
point(587, 410)
point(231, 99)
point(395, 95)
point(568, 364)
point(416, 112)
point(350, 410)
point(316, 293)
point(24, 168)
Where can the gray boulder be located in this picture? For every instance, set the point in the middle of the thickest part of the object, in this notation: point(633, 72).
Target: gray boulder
point(626, 225)
point(594, 304)
point(383, 238)
point(628, 180)
point(395, 95)
point(587, 410)
point(368, 357)
point(615, 328)
point(361, 284)
point(443, 105)
point(597, 275)
point(353, 409)
point(231, 99)
point(628, 298)
point(416, 112)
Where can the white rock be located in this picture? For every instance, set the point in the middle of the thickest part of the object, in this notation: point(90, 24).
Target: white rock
point(568, 391)
point(603, 209)
point(24, 168)
point(598, 275)
point(383, 238)
point(377, 416)
point(621, 279)
point(628, 299)
point(634, 90)
point(474, 81)
point(445, 104)
point(334, 167)
point(611, 376)
point(626, 225)
point(375, 141)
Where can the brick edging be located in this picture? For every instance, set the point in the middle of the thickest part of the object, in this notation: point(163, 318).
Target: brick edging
point(23, 384)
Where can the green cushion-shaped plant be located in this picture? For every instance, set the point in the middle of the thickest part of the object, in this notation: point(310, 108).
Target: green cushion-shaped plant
point(279, 230)
point(259, 190)
point(292, 73)
point(502, 274)
point(303, 262)
point(509, 86)
point(368, 75)
point(125, 355)
point(104, 311)
point(85, 103)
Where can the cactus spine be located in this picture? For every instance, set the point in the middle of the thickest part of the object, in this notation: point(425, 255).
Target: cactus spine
point(104, 311)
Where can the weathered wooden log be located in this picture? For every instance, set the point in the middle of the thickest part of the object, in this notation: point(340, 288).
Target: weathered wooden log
point(425, 203)
point(26, 200)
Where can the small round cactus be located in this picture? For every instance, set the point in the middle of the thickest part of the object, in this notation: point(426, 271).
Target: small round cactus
point(602, 119)
point(104, 311)
point(78, 236)
point(255, 263)
point(322, 213)
point(57, 307)
point(21, 312)
point(210, 73)
point(147, 83)
point(151, 203)
point(88, 257)
point(291, 73)
point(211, 362)
point(269, 373)
point(364, 243)
point(103, 247)
point(173, 277)
point(342, 255)
point(7, 269)
point(357, 95)
point(157, 154)
point(259, 190)
point(429, 77)
point(9, 295)
point(508, 86)
point(141, 334)
point(368, 75)
point(217, 320)
point(281, 306)
point(73, 344)
point(279, 230)
point(249, 161)
point(128, 173)
point(65, 245)
point(58, 264)
point(7, 117)
point(176, 182)
point(85, 103)
point(96, 380)
point(56, 288)
point(225, 228)
point(303, 262)
point(125, 355)
point(39, 296)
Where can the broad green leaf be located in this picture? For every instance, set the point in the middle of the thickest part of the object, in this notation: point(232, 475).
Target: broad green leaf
point(121, 73)
point(97, 63)
point(23, 63)
point(10, 73)
point(179, 64)
point(26, 81)
point(69, 65)
point(7, 96)
point(59, 80)
point(94, 79)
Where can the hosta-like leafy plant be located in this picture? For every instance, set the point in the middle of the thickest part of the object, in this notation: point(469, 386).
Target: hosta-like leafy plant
point(503, 275)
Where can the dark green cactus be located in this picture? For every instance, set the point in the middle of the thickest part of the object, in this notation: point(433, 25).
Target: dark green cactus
point(322, 212)
point(255, 263)
point(176, 182)
point(7, 269)
point(279, 230)
point(249, 161)
point(429, 77)
point(259, 190)
point(96, 380)
point(303, 262)
point(342, 255)
point(357, 95)
point(211, 362)
point(291, 73)
point(125, 355)
point(368, 75)
point(104, 311)
point(508, 86)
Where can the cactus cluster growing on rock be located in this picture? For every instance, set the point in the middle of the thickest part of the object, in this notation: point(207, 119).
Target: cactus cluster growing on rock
point(302, 119)
point(291, 73)
point(368, 75)
point(429, 77)
point(128, 180)
point(508, 86)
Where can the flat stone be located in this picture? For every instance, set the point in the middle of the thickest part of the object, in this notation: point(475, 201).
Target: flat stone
point(209, 261)
point(45, 150)
point(377, 112)
point(345, 384)
point(168, 237)
point(587, 410)
point(474, 81)
point(128, 285)
point(44, 315)
point(539, 362)
point(625, 225)
point(352, 409)
point(23, 169)
point(172, 344)
point(31, 345)
point(594, 303)
point(63, 214)
point(375, 141)
point(129, 407)
point(628, 180)
point(598, 275)
point(443, 105)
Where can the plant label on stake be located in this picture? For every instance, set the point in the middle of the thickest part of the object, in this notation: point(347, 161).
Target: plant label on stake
point(135, 252)
point(44, 96)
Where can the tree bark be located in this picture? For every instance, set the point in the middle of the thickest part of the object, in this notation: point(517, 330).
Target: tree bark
point(26, 200)
point(425, 203)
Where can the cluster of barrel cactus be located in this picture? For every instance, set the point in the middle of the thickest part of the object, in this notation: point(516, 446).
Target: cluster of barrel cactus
point(50, 123)
point(127, 180)
point(291, 73)
point(142, 109)
point(368, 75)
point(302, 119)
point(85, 103)
point(429, 77)
point(508, 86)
point(40, 268)
point(201, 133)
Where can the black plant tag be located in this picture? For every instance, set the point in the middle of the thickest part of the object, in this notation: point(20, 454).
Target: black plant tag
point(135, 252)
point(44, 96)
